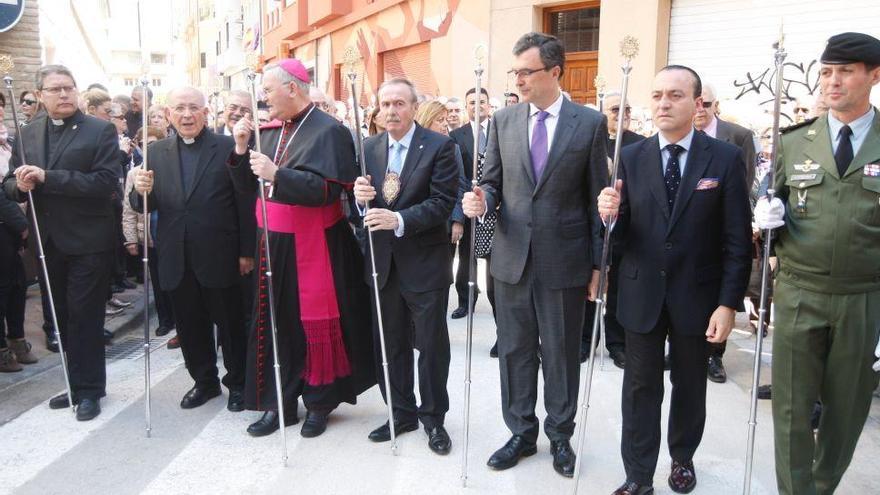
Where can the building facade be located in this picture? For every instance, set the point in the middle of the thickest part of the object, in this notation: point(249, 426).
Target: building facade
point(21, 44)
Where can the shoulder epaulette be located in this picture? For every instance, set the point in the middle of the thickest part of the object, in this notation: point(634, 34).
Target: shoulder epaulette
point(797, 126)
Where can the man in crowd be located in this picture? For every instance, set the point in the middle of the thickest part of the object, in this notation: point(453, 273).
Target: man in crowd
point(238, 105)
point(827, 292)
point(141, 100)
point(321, 302)
point(546, 248)
point(464, 138)
point(71, 168)
point(510, 99)
point(684, 229)
point(206, 242)
point(416, 171)
point(453, 116)
point(706, 120)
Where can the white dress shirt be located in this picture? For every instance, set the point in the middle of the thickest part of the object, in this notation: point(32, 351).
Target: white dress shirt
point(685, 143)
point(550, 122)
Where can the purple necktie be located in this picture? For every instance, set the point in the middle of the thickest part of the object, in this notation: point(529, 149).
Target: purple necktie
point(538, 149)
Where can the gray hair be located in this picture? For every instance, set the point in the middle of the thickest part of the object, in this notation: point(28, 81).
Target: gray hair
point(47, 70)
point(240, 93)
point(405, 82)
point(285, 77)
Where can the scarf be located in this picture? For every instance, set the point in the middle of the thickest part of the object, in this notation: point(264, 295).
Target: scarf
point(326, 359)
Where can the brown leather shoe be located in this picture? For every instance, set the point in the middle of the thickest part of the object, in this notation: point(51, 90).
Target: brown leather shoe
point(22, 350)
point(8, 363)
point(633, 488)
point(683, 478)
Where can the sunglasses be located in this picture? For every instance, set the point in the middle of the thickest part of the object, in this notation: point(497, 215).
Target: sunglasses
point(28, 101)
point(801, 110)
point(708, 104)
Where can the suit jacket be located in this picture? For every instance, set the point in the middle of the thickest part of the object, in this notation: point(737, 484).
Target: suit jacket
point(629, 137)
point(554, 218)
point(464, 138)
point(693, 260)
point(743, 138)
point(74, 209)
point(429, 187)
point(207, 227)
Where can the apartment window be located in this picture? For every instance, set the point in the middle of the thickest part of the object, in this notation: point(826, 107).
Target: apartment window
point(203, 60)
point(157, 82)
point(158, 58)
point(577, 29)
point(130, 81)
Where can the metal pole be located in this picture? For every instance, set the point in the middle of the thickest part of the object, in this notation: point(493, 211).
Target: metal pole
point(599, 82)
point(472, 272)
point(270, 286)
point(629, 49)
point(779, 57)
point(40, 251)
point(352, 76)
point(146, 265)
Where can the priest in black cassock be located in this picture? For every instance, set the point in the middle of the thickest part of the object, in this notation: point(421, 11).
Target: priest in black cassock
point(322, 303)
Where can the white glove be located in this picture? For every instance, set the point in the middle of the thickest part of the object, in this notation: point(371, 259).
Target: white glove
point(877, 353)
point(769, 214)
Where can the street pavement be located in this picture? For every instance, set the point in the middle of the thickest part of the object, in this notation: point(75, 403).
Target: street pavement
point(206, 450)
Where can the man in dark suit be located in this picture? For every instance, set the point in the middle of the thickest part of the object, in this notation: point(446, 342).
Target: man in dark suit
point(464, 138)
point(706, 120)
point(207, 240)
point(684, 228)
point(545, 164)
point(71, 167)
point(416, 172)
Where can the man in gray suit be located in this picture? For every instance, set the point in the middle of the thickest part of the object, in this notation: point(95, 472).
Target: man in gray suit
point(545, 165)
point(706, 120)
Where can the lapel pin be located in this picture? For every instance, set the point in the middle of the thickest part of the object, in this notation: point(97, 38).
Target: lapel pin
point(811, 132)
point(421, 146)
point(74, 127)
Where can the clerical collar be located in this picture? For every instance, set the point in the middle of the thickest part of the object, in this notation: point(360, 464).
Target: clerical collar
point(64, 121)
point(301, 115)
point(191, 141)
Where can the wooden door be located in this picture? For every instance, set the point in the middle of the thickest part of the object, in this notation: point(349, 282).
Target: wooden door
point(580, 76)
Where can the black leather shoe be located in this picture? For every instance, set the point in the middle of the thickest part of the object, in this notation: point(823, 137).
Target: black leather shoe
point(506, 457)
point(438, 440)
point(314, 425)
point(235, 403)
point(493, 352)
point(268, 423)
point(88, 409)
point(765, 392)
point(633, 488)
point(683, 478)
point(51, 342)
point(460, 312)
point(198, 396)
point(618, 357)
point(127, 284)
point(60, 402)
point(163, 331)
point(108, 337)
point(383, 433)
point(117, 289)
point(563, 457)
point(716, 370)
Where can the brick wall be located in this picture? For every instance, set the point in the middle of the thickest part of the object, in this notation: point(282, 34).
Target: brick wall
point(23, 43)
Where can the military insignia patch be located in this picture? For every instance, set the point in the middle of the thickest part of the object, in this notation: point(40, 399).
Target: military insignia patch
point(872, 170)
point(799, 177)
point(807, 166)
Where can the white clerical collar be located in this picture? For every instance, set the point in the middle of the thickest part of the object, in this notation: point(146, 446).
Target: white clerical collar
point(187, 140)
point(57, 121)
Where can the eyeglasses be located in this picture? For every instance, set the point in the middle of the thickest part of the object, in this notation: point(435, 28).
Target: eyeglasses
point(708, 104)
point(525, 72)
point(58, 89)
point(616, 110)
point(28, 101)
point(801, 110)
point(232, 108)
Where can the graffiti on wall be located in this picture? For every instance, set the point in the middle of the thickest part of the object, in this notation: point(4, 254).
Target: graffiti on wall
point(799, 79)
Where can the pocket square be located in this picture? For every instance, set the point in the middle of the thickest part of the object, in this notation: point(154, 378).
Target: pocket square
point(707, 183)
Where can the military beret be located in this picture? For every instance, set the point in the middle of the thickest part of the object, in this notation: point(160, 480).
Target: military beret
point(850, 48)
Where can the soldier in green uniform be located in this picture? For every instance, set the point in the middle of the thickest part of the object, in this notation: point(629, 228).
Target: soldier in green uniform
point(827, 294)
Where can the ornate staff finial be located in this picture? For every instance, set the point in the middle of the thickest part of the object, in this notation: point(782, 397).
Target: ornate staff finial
point(480, 55)
point(780, 54)
point(350, 59)
point(6, 63)
point(629, 48)
point(599, 83)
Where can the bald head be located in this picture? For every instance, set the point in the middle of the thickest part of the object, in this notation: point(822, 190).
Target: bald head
point(187, 111)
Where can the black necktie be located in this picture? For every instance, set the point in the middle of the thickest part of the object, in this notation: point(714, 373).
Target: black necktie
point(844, 155)
point(672, 177)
